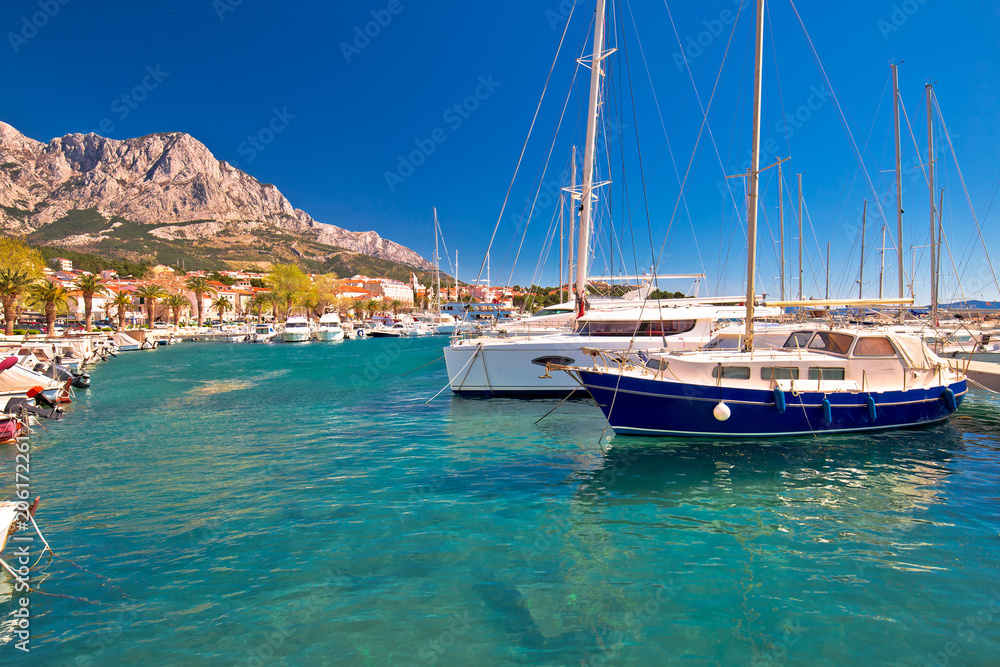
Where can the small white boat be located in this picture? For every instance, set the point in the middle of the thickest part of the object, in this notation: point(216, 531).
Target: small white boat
point(330, 327)
point(263, 333)
point(397, 330)
point(296, 330)
point(420, 328)
point(240, 334)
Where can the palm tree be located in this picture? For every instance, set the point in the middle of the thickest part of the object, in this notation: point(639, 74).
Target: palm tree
point(151, 292)
point(395, 304)
point(13, 284)
point(88, 286)
point(255, 304)
point(373, 306)
point(200, 287)
point(175, 302)
point(289, 296)
point(222, 304)
point(273, 299)
point(312, 302)
point(260, 301)
point(122, 303)
point(50, 295)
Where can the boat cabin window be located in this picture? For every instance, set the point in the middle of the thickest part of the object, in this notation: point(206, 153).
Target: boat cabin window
point(874, 347)
point(553, 311)
point(632, 328)
point(657, 364)
point(731, 372)
point(798, 340)
point(724, 343)
point(817, 373)
point(779, 373)
point(828, 341)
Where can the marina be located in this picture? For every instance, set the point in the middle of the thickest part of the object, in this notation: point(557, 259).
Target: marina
point(718, 382)
point(389, 530)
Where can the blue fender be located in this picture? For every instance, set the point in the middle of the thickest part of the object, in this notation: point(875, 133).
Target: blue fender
point(949, 399)
point(779, 399)
point(872, 414)
point(827, 412)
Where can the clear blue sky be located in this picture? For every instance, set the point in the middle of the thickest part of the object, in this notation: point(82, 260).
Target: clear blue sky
point(350, 112)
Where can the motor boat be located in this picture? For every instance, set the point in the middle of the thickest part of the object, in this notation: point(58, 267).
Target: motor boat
point(296, 330)
point(330, 327)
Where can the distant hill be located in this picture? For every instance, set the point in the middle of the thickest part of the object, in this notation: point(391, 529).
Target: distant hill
point(164, 198)
point(972, 304)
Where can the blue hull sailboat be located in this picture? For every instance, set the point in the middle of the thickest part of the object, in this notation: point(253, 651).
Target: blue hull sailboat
point(838, 381)
point(822, 380)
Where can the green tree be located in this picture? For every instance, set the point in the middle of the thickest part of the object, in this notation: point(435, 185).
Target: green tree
point(176, 302)
point(151, 292)
point(14, 283)
point(200, 287)
point(313, 302)
point(395, 304)
point(87, 286)
point(122, 303)
point(257, 303)
point(288, 281)
point(16, 255)
point(228, 281)
point(50, 296)
point(222, 304)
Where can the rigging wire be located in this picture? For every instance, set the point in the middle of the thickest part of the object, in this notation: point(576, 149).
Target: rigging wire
point(961, 178)
point(702, 128)
point(531, 128)
point(840, 111)
point(670, 150)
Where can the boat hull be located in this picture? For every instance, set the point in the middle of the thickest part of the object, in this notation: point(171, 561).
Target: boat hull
point(295, 336)
point(642, 406)
point(330, 334)
point(517, 367)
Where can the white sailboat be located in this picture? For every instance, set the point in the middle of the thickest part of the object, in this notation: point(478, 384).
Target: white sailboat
point(517, 366)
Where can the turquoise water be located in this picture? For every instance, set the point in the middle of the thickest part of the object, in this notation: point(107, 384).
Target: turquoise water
point(301, 505)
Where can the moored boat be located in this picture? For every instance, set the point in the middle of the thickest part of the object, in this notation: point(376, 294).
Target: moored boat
point(819, 381)
point(296, 330)
point(330, 328)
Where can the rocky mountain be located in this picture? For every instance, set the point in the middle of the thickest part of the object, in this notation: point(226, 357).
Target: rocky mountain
point(159, 194)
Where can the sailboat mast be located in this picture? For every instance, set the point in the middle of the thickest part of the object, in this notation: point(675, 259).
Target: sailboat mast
point(754, 178)
point(437, 265)
point(881, 271)
point(940, 240)
point(827, 270)
point(930, 184)
point(583, 245)
point(800, 237)
point(572, 224)
point(899, 184)
point(562, 248)
point(861, 276)
point(781, 227)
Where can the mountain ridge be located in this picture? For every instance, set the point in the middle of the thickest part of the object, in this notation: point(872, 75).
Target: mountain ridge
point(169, 182)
